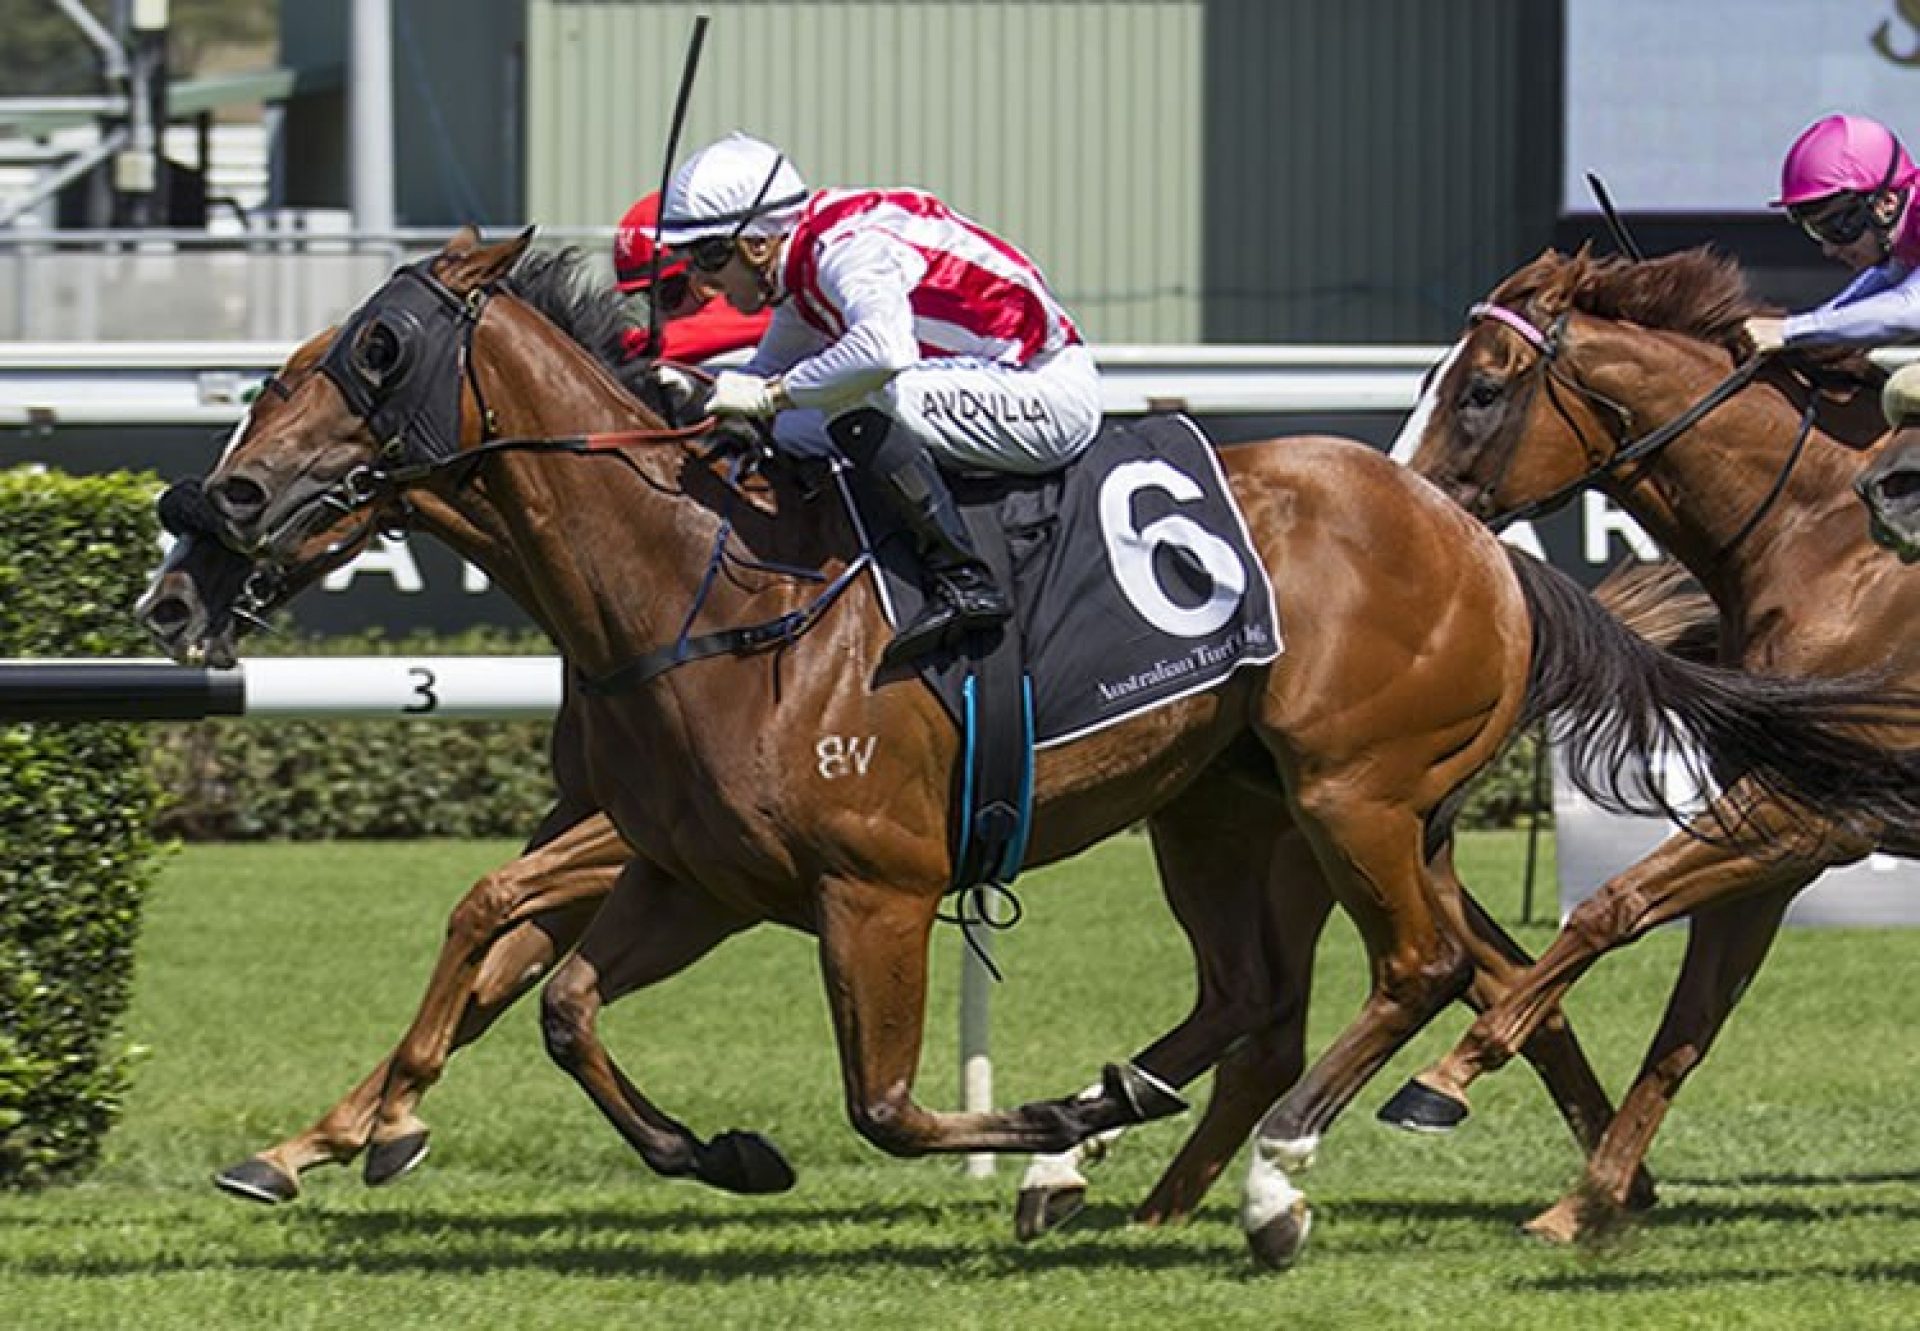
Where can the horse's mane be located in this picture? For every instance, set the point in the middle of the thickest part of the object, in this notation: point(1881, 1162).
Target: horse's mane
point(1700, 292)
point(561, 285)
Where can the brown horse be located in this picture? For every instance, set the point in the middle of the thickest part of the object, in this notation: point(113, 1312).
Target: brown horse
point(1416, 646)
point(1577, 372)
point(513, 925)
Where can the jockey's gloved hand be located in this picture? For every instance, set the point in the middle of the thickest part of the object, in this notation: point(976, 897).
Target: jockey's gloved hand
point(1768, 333)
point(737, 394)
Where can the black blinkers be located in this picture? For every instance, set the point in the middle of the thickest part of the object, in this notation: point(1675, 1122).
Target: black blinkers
point(398, 362)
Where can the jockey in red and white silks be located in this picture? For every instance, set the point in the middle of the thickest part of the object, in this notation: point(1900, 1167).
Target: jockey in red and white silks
point(896, 300)
point(916, 336)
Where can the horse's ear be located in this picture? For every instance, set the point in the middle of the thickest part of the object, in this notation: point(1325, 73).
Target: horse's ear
point(477, 265)
point(465, 241)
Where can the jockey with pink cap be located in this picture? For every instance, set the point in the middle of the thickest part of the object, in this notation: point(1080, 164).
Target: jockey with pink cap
point(1849, 184)
point(919, 337)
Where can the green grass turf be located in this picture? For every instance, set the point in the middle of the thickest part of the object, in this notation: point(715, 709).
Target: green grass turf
point(272, 977)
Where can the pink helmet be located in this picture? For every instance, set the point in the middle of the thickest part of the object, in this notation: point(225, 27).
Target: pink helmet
point(1839, 153)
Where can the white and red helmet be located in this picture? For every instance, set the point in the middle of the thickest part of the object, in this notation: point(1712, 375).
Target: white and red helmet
point(738, 186)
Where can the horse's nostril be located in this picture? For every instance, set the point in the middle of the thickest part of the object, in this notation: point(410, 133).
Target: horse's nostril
point(238, 498)
point(169, 615)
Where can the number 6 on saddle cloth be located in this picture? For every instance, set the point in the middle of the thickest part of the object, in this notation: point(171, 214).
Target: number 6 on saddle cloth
point(1134, 585)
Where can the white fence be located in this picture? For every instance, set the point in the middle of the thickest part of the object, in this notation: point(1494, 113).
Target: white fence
point(51, 384)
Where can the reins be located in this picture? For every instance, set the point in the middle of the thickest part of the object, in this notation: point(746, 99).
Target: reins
point(418, 450)
point(1547, 347)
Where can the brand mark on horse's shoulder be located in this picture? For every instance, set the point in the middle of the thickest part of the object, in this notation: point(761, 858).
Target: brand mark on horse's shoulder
point(844, 755)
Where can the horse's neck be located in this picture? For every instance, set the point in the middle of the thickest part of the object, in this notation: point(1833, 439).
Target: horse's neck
point(605, 553)
point(1708, 497)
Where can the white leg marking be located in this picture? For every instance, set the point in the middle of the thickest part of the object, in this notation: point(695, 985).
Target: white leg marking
point(1270, 1192)
point(1062, 1169)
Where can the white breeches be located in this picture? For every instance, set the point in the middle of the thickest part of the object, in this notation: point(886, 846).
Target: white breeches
point(979, 415)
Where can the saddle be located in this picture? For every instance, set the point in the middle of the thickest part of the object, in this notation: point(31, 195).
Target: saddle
point(1134, 584)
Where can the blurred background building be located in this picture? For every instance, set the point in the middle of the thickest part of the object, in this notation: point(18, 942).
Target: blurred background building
point(1186, 170)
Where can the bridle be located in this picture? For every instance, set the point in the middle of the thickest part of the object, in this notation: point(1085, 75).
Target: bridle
point(401, 362)
point(1602, 462)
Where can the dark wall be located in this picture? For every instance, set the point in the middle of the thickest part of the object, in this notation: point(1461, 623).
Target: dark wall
point(1373, 166)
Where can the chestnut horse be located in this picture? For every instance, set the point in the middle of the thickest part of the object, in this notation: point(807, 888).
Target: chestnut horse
point(514, 924)
point(1574, 373)
point(1417, 645)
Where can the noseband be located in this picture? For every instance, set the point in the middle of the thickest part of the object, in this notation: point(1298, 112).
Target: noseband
point(1547, 347)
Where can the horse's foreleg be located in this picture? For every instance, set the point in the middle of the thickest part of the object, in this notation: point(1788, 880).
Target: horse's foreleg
point(651, 927)
point(1725, 946)
point(1371, 853)
point(1553, 1049)
point(559, 884)
point(1681, 876)
point(502, 937)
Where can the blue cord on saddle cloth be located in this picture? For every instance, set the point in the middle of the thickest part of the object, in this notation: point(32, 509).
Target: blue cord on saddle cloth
point(1134, 584)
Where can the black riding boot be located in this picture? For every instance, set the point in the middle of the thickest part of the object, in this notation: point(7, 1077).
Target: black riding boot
point(963, 597)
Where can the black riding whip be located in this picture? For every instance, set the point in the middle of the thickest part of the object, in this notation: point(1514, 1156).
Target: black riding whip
point(1622, 239)
point(687, 72)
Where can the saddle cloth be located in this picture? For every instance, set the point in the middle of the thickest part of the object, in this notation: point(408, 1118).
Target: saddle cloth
point(1132, 575)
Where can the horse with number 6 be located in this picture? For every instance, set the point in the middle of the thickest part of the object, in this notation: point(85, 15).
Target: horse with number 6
point(1633, 378)
point(1417, 646)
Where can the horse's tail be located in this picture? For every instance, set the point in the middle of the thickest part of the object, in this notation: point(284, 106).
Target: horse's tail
point(1620, 708)
point(1663, 604)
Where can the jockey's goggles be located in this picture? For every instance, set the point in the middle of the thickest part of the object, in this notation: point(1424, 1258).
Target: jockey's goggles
point(709, 254)
point(674, 291)
point(1840, 219)
point(1835, 221)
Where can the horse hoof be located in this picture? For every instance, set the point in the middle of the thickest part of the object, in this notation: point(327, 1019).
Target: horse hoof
point(255, 1180)
point(1557, 1225)
point(743, 1162)
point(1579, 1217)
point(1043, 1210)
point(1419, 1108)
point(387, 1161)
point(1641, 1194)
point(1276, 1244)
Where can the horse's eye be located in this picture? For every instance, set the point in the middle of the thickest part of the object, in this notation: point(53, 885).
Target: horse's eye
point(379, 350)
point(1481, 393)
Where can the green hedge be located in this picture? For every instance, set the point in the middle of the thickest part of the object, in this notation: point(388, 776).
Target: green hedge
point(1505, 794)
point(76, 806)
point(237, 780)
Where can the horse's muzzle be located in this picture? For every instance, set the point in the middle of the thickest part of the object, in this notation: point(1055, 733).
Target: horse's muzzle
point(1890, 488)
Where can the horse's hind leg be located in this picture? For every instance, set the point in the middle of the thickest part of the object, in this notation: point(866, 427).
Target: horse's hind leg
point(1259, 1067)
point(1216, 848)
point(1725, 946)
point(501, 939)
point(652, 927)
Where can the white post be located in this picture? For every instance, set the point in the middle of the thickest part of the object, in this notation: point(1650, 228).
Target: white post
point(976, 1063)
point(370, 115)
